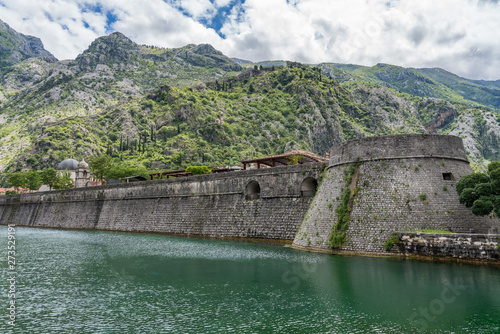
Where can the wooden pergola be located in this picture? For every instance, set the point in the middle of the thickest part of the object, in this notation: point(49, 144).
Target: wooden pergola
point(170, 173)
point(284, 159)
point(225, 169)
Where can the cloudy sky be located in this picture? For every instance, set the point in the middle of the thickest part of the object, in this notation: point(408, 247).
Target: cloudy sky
point(462, 36)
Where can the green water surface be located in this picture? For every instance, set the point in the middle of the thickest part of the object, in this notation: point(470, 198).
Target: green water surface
point(103, 282)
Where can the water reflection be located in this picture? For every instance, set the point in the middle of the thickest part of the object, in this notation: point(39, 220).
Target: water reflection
point(85, 282)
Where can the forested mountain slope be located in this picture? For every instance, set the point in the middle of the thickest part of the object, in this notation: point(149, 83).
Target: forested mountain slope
point(158, 108)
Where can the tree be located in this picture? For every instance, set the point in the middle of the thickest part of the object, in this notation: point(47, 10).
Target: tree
point(197, 170)
point(482, 207)
point(17, 180)
point(470, 180)
point(467, 197)
point(64, 181)
point(49, 177)
point(121, 171)
point(100, 166)
point(493, 165)
point(167, 131)
point(481, 192)
point(33, 180)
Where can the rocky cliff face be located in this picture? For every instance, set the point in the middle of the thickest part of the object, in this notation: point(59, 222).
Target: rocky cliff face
point(109, 98)
point(113, 49)
point(16, 47)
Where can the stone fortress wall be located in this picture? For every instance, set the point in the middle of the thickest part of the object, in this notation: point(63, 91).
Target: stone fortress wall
point(397, 183)
point(264, 203)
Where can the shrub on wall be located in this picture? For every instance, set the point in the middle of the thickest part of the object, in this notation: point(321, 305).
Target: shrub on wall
point(394, 239)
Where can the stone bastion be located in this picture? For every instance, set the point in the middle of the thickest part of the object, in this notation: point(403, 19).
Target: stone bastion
point(410, 146)
point(395, 183)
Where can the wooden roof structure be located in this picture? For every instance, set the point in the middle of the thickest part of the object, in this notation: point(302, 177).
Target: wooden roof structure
point(284, 159)
point(304, 157)
point(170, 173)
point(226, 169)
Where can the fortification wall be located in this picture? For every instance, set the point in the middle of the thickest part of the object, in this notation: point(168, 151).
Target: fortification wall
point(397, 183)
point(462, 246)
point(206, 205)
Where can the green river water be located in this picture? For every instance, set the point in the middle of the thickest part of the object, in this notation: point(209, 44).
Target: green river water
point(103, 282)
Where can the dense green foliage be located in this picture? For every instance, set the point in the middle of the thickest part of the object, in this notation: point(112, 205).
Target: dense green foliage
point(27, 180)
point(481, 191)
point(132, 103)
point(64, 181)
point(103, 167)
point(32, 180)
point(470, 180)
point(49, 176)
point(100, 166)
point(198, 170)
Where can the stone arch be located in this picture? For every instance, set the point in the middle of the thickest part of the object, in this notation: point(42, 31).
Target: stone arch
point(308, 187)
point(252, 190)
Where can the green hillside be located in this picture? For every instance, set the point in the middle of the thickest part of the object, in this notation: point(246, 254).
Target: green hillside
point(424, 82)
point(480, 91)
point(158, 108)
point(269, 112)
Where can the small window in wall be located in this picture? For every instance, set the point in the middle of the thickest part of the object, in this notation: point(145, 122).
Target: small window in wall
point(308, 187)
point(448, 177)
point(252, 191)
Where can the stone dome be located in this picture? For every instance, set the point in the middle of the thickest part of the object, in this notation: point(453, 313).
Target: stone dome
point(83, 165)
point(68, 164)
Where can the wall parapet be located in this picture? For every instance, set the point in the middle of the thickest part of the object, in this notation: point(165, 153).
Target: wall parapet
point(398, 147)
point(212, 205)
point(455, 245)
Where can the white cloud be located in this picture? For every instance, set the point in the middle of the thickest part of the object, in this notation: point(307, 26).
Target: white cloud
point(458, 35)
point(58, 23)
point(198, 8)
point(160, 24)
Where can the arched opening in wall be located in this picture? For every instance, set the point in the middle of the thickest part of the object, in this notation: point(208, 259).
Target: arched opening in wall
point(252, 191)
point(308, 187)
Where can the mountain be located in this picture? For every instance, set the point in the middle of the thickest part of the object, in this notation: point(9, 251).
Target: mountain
point(171, 108)
point(241, 61)
point(112, 69)
point(430, 82)
point(480, 91)
point(16, 47)
point(267, 112)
